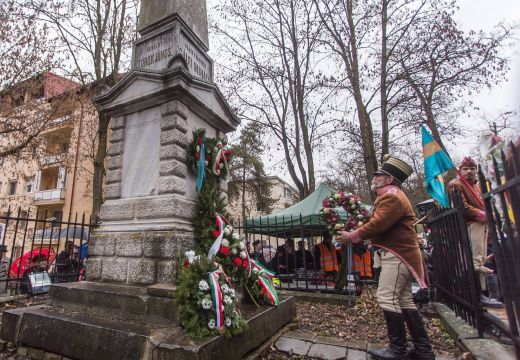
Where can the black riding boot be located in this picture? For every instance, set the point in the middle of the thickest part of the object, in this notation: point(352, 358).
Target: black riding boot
point(397, 336)
point(421, 348)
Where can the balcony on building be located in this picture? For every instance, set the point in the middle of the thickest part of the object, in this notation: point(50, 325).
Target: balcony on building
point(50, 186)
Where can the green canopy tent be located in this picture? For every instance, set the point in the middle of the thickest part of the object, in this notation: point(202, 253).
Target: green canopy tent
point(297, 221)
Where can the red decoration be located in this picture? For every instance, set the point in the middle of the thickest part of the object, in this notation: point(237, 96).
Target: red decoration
point(237, 261)
point(224, 250)
point(215, 233)
point(186, 263)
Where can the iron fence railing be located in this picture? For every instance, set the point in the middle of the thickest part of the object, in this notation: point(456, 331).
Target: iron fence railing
point(292, 248)
point(40, 250)
point(454, 274)
point(502, 203)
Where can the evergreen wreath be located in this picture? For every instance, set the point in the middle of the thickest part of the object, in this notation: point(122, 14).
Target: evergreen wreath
point(357, 215)
point(208, 280)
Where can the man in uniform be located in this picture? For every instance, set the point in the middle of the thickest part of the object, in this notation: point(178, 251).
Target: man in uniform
point(475, 217)
point(391, 230)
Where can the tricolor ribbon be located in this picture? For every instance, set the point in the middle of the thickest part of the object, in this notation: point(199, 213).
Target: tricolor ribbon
point(216, 297)
point(218, 241)
point(201, 166)
point(268, 290)
point(262, 270)
point(218, 157)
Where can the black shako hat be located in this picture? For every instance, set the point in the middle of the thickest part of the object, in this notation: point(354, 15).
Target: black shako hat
point(394, 167)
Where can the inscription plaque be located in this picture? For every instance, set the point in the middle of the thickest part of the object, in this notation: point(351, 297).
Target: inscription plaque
point(155, 52)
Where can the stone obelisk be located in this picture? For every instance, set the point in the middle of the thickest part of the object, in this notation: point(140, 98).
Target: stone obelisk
point(150, 193)
point(125, 309)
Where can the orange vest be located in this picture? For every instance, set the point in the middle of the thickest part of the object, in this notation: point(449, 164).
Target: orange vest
point(361, 264)
point(328, 258)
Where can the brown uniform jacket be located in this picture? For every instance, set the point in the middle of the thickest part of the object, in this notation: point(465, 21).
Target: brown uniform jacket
point(391, 228)
point(473, 208)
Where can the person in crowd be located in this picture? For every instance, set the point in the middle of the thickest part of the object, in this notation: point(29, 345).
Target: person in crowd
point(283, 261)
point(391, 230)
point(304, 259)
point(67, 266)
point(475, 217)
point(327, 256)
point(4, 269)
point(258, 253)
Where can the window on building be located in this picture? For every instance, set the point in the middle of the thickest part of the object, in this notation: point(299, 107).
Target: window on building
point(1, 161)
point(29, 185)
point(18, 154)
point(12, 187)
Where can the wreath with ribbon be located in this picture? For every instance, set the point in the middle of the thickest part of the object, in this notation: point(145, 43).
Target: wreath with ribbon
point(357, 214)
point(206, 293)
point(208, 155)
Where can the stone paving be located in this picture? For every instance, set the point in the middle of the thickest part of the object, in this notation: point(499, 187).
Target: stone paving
point(321, 347)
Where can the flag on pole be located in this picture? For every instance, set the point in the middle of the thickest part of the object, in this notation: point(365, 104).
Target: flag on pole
point(436, 162)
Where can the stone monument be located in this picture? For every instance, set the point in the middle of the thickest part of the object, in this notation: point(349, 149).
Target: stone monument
point(125, 309)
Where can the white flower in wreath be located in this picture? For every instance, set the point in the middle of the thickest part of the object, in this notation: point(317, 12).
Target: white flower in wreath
point(211, 324)
point(224, 288)
point(243, 254)
point(242, 246)
point(232, 293)
point(230, 228)
point(353, 206)
point(234, 251)
point(227, 299)
point(190, 255)
point(206, 304)
point(203, 285)
point(227, 322)
point(235, 236)
point(226, 231)
point(225, 242)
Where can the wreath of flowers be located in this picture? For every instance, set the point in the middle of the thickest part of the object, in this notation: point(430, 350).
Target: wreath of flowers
point(206, 292)
point(208, 156)
point(351, 204)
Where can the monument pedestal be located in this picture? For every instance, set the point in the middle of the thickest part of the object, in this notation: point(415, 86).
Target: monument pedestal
point(146, 219)
point(106, 321)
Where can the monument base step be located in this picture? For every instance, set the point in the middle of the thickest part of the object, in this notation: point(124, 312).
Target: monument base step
point(114, 301)
point(80, 336)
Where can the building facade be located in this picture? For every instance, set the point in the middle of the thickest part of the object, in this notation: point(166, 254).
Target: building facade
point(49, 179)
point(283, 194)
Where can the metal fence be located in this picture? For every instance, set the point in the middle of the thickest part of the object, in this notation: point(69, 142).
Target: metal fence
point(502, 203)
point(38, 251)
point(302, 260)
point(454, 274)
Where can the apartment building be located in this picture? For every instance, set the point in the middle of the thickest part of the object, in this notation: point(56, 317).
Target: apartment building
point(283, 193)
point(50, 178)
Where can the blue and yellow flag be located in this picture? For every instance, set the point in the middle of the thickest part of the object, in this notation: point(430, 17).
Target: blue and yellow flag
point(436, 162)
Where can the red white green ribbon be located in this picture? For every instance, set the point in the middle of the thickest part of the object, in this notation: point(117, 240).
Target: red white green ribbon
point(218, 241)
point(262, 270)
point(216, 297)
point(268, 290)
point(218, 156)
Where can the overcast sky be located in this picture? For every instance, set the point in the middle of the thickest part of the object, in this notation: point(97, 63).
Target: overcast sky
point(473, 15)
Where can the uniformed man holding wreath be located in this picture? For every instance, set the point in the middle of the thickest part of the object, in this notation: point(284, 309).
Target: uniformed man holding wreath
point(391, 230)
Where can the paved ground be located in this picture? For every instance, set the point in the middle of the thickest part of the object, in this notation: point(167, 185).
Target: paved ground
point(306, 345)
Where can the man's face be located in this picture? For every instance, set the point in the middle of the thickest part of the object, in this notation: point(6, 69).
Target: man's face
point(469, 173)
point(380, 181)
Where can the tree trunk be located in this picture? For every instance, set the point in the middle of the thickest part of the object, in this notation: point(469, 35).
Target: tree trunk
point(99, 164)
point(383, 88)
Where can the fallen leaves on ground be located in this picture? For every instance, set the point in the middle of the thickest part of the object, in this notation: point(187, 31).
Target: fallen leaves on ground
point(362, 322)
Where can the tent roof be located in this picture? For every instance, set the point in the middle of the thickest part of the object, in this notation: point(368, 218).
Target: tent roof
point(301, 219)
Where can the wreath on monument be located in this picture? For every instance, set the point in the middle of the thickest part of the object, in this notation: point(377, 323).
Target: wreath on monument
point(216, 276)
point(357, 214)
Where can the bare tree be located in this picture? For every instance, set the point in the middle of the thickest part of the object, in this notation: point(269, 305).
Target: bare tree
point(26, 50)
point(275, 77)
point(97, 36)
point(442, 64)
